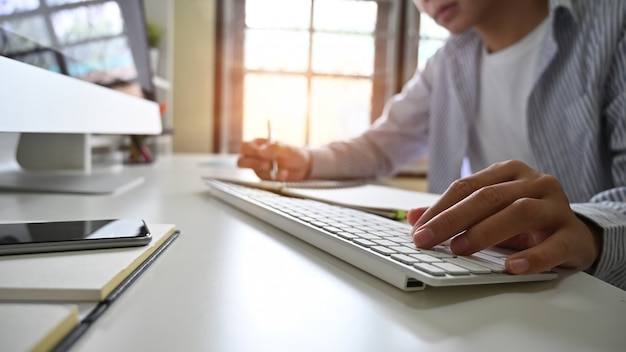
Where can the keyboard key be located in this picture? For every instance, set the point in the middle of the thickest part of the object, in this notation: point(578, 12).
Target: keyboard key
point(473, 267)
point(497, 252)
point(443, 249)
point(384, 242)
point(364, 242)
point(425, 258)
point(396, 239)
point(452, 269)
point(439, 255)
point(331, 229)
point(495, 260)
point(496, 268)
point(403, 258)
point(382, 250)
point(347, 235)
point(404, 249)
point(369, 236)
point(431, 269)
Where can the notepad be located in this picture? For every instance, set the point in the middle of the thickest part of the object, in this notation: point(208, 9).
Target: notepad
point(89, 275)
point(358, 194)
point(35, 327)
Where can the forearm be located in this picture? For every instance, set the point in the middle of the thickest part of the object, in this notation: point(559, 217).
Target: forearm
point(356, 158)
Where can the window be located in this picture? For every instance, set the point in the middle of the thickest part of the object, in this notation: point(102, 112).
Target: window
point(320, 70)
point(92, 35)
point(432, 36)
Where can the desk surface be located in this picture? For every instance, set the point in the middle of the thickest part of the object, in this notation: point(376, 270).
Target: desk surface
point(234, 283)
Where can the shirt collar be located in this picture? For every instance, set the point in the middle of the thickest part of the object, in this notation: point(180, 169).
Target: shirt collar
point(566, 5)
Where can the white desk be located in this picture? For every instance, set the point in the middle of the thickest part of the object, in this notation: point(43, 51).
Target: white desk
point(234, 283)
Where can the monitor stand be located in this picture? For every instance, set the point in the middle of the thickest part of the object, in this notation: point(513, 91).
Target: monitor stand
point(57, 163)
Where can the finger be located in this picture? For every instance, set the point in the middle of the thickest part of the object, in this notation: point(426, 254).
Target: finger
point(573, 246)
point(525, 215)
point(414, 214)
point(251, 148)
point(256, 164)
point(552, 252)
point(282, 175)
point(254, 155)
point(294, 160)
point(263, 175)
point(287, 155)
point(470, 211)
point(462, 188)
point(286, 168)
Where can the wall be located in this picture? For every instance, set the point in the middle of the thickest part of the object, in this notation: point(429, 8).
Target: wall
point(161, 13)
point(187, 62)
point(193, 81)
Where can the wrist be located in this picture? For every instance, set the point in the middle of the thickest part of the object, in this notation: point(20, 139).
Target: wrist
point(596, 234)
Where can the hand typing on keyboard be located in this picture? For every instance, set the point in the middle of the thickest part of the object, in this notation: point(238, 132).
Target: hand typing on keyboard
point(377, 245)
point(510, 205)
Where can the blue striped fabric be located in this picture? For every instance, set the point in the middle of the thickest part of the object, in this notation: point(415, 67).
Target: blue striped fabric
point(576, 120)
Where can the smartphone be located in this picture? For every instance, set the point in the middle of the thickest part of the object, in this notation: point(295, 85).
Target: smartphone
point(38, 237)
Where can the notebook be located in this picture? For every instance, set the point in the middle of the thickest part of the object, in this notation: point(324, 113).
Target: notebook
point(35, 327)
point(89, 275)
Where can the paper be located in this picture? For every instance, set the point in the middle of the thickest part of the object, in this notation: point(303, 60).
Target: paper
point(369, 196)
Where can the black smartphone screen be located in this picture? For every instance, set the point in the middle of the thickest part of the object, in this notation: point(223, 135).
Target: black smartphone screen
point(16, 238)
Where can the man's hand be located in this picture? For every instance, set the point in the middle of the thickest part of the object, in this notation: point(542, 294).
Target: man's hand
point(511, 205)
point(293, 163)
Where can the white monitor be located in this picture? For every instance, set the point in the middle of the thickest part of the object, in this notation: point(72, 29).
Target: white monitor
point(63, 65)
point(46, 120)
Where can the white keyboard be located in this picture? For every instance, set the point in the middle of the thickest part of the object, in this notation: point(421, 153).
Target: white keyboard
point(377, 245)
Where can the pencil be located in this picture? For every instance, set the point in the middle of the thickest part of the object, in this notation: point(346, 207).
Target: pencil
point(274, 170)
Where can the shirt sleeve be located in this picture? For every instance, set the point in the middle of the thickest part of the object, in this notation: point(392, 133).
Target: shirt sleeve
point(610, 217)
point(396, 138)
point(608, 208)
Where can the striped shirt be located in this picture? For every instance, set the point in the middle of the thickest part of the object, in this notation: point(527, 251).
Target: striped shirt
point(576, 115)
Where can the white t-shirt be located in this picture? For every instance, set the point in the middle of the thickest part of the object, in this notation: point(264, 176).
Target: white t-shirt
point(500, 131)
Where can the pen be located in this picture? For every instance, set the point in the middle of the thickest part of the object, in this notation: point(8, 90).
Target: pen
point(274, 169)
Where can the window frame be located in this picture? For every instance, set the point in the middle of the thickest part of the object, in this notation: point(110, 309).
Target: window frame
point(395, 61)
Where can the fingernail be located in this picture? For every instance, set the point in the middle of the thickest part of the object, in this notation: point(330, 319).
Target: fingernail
point(423, 237)
point(460, 245)
point(519, 266)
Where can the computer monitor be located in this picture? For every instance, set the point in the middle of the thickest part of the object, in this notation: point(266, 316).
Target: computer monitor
point(85, 51)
